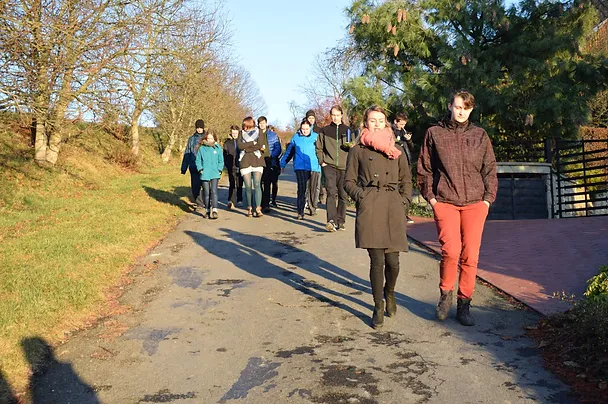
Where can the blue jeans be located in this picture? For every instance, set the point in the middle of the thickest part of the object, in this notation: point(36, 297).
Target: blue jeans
point(257, 185)
point(210, 193)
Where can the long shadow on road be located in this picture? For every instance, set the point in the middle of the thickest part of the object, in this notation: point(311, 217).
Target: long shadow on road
point(499, 330)
point(53, 381)
point(251, 252)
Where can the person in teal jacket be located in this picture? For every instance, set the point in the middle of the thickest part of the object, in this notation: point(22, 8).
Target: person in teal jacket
point(188, 162)
point(306, 166)
point(210, 163)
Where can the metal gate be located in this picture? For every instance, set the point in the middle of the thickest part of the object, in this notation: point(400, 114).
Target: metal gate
point(580, 186)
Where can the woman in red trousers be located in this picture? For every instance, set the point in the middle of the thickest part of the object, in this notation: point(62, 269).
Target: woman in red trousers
point(457, 176)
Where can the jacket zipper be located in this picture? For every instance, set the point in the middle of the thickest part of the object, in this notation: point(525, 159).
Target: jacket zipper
point(462, 164)
point(337, 148)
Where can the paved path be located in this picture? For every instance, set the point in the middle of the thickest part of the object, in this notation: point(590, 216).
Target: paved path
point(275, 310)
point(532, 259)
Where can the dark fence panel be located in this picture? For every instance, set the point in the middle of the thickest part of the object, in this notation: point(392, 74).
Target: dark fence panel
point(581, 168)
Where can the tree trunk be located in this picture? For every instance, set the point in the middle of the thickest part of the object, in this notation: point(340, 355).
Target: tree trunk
point(135, 133)
point(167, 153)
point(52, 153)
point(41, 141)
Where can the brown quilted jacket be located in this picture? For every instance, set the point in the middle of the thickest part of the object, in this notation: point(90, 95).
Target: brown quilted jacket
point(457, 165)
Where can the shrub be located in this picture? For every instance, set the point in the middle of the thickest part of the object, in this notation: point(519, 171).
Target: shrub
point(598, 286)
point(420, 210)
point(123, 157)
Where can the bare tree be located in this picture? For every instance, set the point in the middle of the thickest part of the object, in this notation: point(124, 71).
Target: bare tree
point(180, 72)
point(331, 71)
point(53, 51)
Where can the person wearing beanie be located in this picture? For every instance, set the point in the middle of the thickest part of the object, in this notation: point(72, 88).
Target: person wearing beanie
point(189, 163)
point(311, 117)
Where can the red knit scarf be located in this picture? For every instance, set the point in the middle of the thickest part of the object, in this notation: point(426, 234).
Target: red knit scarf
point(382, 141)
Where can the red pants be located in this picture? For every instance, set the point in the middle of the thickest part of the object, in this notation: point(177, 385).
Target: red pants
point(459, 229)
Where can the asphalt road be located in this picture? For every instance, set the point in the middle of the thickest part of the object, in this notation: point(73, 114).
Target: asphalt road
point(275, 310)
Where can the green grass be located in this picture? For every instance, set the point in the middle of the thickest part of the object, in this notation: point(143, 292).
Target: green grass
point(69, 233)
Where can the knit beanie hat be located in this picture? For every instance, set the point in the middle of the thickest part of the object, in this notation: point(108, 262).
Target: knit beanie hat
point(199, 124)
point(310, 112)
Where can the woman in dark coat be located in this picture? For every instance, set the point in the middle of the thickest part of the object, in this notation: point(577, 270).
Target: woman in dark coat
point(251, 162)
point(378, 179)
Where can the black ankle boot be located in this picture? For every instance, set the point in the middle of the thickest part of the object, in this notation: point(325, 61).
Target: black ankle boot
point(378, 316)
point(443, 307)
point(462, 312)
point(391, 304)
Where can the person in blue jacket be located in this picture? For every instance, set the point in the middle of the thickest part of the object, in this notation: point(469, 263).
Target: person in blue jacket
point(189, 165)
point(209, 163)
point(271, 157)
point(306, 165)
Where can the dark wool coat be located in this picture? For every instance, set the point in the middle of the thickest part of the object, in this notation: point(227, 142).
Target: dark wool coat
point(231, 155)
point(250, 159)
point(382, 190)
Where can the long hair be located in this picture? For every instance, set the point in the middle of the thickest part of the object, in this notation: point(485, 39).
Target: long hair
point(203, 139)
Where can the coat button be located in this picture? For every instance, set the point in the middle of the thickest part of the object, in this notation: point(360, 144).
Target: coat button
point(375, 175)
point(371, 158)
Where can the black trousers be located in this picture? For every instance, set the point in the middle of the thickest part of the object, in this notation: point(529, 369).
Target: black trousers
point(235, 187)
point(383, 265)
point(195, 185)
point(336, 195)
point(307, 185)
point(274, 184)
point(270, 180)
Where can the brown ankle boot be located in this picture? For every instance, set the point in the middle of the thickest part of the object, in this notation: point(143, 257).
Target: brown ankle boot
point(443, 307)
point(391, 304)
point(463, 314)
point(378, 316)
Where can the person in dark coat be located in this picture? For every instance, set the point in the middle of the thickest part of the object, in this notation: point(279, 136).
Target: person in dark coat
point(189, 164)
point(404, 138)
point(457, 176)
point(332, 150)
point(251, 164)
point(231, 162)
point(379, 180)
point(271, 159)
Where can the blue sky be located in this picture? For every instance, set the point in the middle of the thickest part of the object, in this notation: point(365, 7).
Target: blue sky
point(277, 40)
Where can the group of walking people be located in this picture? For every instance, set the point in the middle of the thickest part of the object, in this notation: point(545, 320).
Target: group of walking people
point(250, 156)
point(456, 174)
